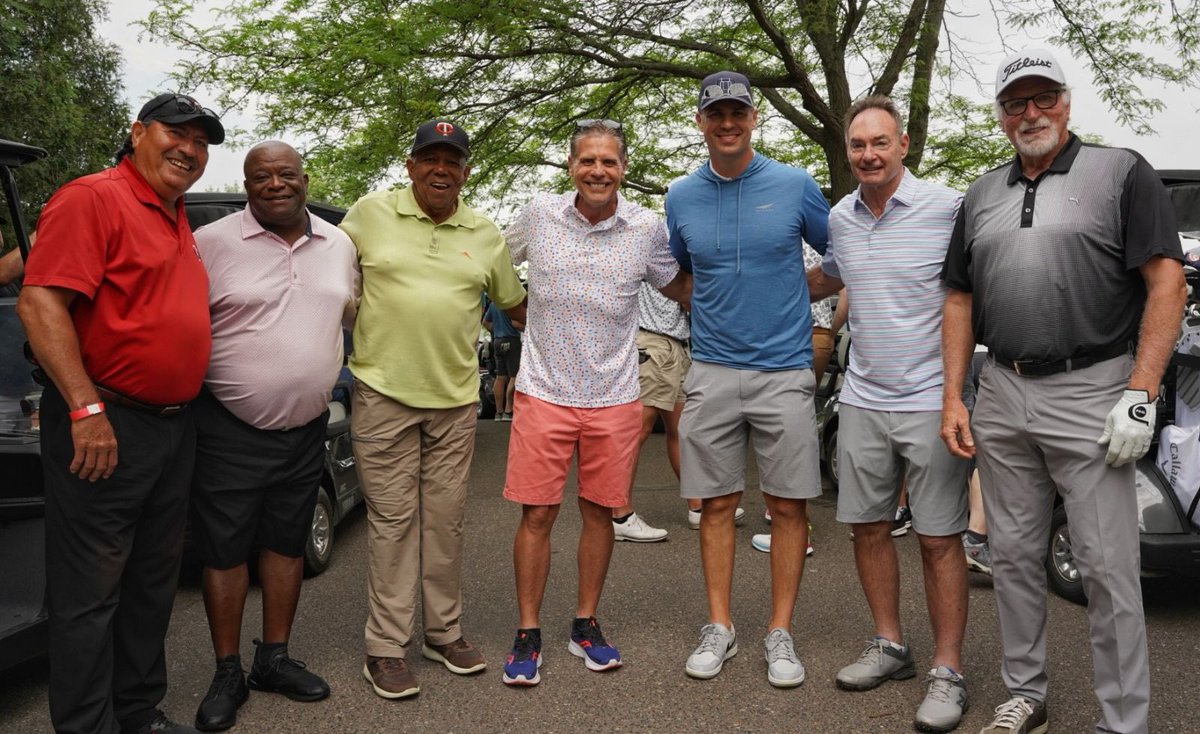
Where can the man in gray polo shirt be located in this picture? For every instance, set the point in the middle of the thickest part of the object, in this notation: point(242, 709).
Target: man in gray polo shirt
point(1066, 265)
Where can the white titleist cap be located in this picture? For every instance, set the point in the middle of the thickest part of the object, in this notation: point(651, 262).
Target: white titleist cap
point(1030, 62)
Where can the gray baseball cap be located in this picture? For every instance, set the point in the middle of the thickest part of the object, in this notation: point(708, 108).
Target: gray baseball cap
point(725, 85)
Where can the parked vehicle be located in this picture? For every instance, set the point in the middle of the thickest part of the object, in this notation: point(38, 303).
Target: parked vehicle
point(22, 500)
point(1170, 544)
point(485, 406)
point(826, 403)
point(23, 618)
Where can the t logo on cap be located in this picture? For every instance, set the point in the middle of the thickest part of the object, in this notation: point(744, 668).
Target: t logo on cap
point(441, 132)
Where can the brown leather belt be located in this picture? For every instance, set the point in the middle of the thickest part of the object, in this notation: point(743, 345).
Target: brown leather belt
point(1029, 368)
point(117, 398)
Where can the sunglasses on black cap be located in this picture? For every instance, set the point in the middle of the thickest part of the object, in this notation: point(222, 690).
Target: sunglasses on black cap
point(184, 105)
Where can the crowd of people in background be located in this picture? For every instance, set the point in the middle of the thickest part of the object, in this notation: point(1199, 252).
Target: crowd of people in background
point(194, 372)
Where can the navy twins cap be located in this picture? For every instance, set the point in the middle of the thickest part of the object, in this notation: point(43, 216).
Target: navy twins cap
point(441, 132)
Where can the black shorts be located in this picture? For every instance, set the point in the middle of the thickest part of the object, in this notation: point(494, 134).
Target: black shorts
point(252, 489)
point(508, 355)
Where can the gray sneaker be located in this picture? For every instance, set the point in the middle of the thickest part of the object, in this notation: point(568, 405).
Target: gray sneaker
point(979, 555)
point(944, 704)
point(784, 669)
point(879, 663)
point(717, 644)
point(1019, 715)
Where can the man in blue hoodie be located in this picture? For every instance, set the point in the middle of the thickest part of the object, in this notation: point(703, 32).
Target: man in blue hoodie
point(738, 225)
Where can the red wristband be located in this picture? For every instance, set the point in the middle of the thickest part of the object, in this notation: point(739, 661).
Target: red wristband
point(86, 411)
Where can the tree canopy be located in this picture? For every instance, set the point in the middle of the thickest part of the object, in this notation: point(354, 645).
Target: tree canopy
point(60, 89)
point(351, 79)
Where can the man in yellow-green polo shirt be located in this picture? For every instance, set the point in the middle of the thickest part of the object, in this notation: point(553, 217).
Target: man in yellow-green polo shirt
point(426, 257)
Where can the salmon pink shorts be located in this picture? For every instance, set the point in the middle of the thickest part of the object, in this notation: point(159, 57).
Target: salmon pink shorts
point(546, 436)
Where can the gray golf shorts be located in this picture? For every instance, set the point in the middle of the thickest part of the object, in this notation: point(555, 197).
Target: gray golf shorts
point(878, 449)
point(727, 409)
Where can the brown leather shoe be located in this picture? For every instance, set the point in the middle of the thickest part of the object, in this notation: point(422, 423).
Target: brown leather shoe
point(390, 677)
point(459, 656)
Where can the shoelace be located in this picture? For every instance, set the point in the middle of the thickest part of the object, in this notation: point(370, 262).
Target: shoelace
point(1012, 712)
point(524, 647)
point(711, 640)
point(226, 677)
point(873, 654)
point(779, 647)
point(391, 665)
point(941, 689)
point(591, 634)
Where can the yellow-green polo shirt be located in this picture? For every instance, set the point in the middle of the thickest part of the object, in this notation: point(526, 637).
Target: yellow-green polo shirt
point(414, 338)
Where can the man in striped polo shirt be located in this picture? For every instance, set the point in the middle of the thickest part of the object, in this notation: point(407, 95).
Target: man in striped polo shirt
point(887, 242)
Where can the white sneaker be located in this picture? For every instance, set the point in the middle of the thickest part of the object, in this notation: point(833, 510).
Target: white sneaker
point(784, 669)
point(717, 644)
point(762, 542)
point(635, 529)
point(694, 518)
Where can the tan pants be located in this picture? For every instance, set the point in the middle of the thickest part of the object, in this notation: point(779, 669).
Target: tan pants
point(822, 340)
point(414, 465)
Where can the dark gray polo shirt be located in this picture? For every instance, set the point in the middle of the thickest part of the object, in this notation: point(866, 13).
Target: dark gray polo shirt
point(1052, 264)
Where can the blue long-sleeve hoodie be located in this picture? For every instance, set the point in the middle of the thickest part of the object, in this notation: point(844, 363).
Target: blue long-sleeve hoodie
point(742, 240)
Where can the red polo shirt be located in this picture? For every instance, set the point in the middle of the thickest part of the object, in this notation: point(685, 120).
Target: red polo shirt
point(142, 314)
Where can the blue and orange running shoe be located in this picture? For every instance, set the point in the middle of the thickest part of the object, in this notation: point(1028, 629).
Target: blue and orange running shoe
point(521, 667)
point(587, 642)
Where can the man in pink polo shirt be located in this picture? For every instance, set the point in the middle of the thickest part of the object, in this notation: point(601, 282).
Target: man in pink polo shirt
point(588, 252)
point(282, 283)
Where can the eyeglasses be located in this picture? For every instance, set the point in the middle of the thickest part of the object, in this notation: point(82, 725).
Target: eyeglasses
point(610, 124)
point(722, 91)
point(1044, 101)
point(184, 105)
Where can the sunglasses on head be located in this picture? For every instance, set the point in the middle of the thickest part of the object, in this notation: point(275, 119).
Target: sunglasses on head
point(610, 124)
point(717, 91)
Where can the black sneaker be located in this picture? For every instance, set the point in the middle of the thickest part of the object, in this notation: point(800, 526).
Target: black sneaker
point(902, 522)
point(282, 674)
point(218, 710)
point(160, 724)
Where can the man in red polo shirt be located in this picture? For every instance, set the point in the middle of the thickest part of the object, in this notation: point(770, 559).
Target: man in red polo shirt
point(115, 305)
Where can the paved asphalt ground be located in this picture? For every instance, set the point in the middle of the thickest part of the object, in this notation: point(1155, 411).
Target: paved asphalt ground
point(652, 610)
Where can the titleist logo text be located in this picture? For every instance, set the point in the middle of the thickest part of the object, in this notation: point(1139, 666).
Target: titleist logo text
point(1024, 63)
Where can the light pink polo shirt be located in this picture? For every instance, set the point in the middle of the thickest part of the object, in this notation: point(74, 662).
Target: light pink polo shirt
point(277, 317)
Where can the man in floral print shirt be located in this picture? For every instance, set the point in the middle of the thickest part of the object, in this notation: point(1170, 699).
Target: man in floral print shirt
point(588, 252)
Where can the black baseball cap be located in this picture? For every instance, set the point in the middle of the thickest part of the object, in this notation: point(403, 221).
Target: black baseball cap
point(441, 132)
point(175, 109)
point(725, 85)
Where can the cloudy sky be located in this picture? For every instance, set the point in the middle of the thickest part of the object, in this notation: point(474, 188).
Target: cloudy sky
point(1176, 145)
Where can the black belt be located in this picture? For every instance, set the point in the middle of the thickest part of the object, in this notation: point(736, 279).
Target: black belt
point(118, 399)
point(1030, 368)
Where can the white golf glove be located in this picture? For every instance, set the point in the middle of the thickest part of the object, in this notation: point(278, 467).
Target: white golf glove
point(1128, 428)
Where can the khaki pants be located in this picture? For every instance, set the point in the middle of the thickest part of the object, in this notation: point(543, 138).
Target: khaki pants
point(414, 465)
